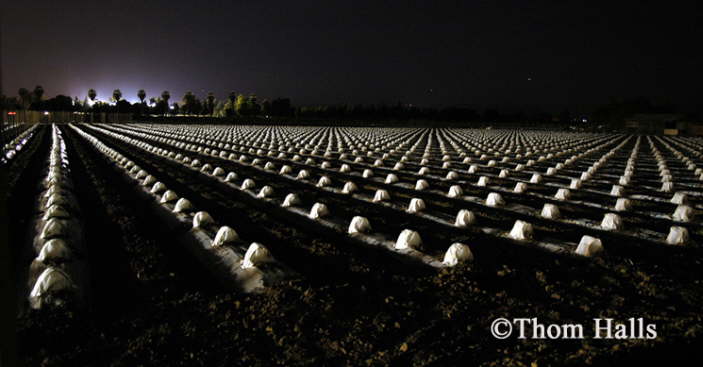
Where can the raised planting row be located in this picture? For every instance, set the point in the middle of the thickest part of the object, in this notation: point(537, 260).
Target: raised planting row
point(349, 246)
point(622, 222)
point(57, 273)
point(516, 230)
point(289, 205)
point(488, 174)
point(226, 254)
point(20, 135)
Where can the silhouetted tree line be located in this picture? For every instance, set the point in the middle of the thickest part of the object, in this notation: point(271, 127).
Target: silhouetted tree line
point(235, 104)
point(241, 105)
point(33, 100)
point(617, 110)
point(404, 112)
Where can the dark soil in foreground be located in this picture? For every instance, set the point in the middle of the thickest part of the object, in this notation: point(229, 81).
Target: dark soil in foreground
point(165, 311)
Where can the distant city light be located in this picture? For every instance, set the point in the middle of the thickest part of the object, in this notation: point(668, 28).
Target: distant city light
point(12, 113)
point(46, 113)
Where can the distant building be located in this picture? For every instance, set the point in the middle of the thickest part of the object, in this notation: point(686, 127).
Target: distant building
point(662, 123)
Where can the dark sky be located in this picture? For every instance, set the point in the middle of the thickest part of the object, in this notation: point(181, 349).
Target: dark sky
point(480, 53)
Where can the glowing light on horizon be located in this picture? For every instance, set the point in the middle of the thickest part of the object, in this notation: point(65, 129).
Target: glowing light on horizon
point(104, 95)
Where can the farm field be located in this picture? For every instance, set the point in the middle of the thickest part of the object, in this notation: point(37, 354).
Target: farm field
point(153, 244)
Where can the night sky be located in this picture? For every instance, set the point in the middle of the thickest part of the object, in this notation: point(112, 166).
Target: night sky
point(505, 54)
